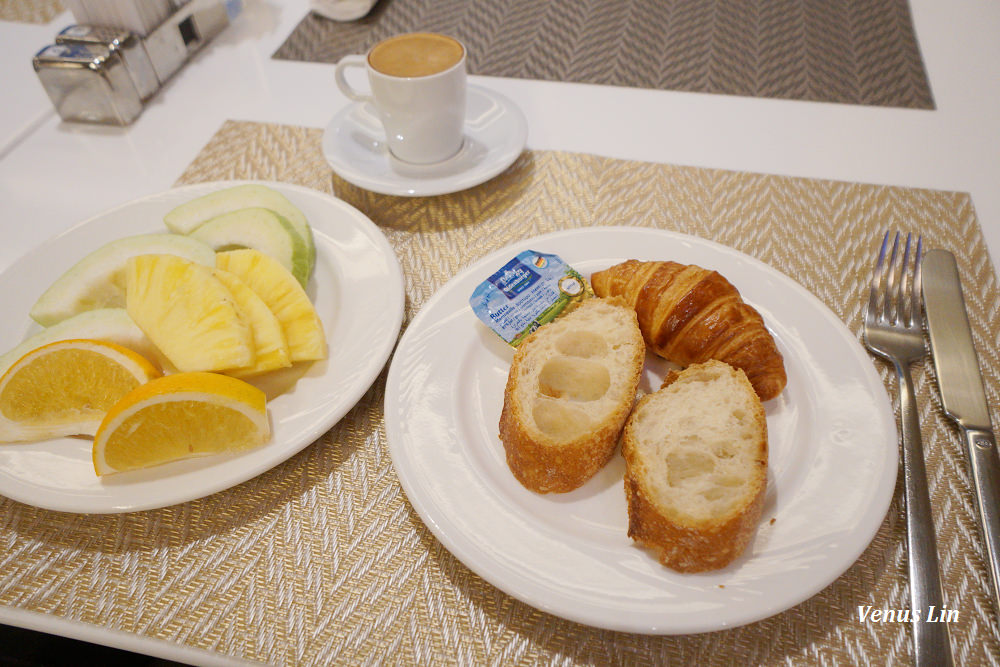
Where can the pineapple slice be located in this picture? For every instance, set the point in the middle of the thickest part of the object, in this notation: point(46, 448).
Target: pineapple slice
point(187, 313)
point(268, 338)
point(284, 296)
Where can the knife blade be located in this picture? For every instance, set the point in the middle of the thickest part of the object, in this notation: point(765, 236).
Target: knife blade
point(963, 396)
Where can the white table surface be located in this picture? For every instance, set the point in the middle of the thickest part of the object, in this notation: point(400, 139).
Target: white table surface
point(55, 174)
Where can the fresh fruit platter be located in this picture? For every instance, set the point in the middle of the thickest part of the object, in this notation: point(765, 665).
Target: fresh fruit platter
point(189, 341)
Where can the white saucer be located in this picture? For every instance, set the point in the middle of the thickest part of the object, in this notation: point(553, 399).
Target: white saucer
point(495, 134)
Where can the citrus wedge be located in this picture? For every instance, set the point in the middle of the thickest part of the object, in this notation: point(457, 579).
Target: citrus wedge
point(110, 324)
point(66, 387)
point(179, 416)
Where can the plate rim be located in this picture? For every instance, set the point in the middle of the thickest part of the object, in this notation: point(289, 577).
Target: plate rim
point(465, 552)
point(406, 187)
point(376, 361)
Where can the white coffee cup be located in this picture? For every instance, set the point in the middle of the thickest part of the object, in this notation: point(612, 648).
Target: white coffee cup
point(418, 88)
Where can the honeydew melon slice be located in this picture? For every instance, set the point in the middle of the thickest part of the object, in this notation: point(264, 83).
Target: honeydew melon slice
point(261, 229)
point(98, 280)
point(108, 324)
point(190, 215)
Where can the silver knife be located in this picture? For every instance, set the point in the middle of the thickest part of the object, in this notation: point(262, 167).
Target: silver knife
point(962, 394)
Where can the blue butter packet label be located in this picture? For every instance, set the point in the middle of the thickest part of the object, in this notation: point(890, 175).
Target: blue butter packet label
point(67, 51)
point(531, 289)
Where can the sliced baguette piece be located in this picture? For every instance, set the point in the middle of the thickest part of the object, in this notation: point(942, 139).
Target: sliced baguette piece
point(570, 389)
point(696, 467)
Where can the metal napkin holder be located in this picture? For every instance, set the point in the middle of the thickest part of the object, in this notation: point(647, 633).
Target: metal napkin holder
point(101, 74)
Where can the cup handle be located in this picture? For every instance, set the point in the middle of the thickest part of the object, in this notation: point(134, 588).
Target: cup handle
point(351, 61)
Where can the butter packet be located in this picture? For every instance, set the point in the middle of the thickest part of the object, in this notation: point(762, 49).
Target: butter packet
point(528, 291)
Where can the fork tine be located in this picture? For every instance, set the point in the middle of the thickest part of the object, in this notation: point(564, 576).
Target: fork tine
point(878, 277)
point(893, 285)
point(905, 285)
point(916, 294)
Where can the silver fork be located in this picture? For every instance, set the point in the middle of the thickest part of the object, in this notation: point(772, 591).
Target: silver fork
point(893, 329)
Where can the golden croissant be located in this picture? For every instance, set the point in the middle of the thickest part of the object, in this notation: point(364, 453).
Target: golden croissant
point(689, 315)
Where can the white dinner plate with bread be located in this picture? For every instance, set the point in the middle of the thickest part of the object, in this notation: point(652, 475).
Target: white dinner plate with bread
point(830, 466)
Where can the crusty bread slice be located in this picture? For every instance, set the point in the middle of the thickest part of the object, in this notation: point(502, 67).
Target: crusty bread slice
point(570, 389)
point(696, 467)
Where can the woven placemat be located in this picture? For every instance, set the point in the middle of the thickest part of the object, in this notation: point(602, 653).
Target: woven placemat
point(322, 560)
point(850, 51)
point(30, 11)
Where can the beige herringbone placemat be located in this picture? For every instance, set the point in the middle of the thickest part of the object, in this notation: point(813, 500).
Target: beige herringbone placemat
point(851, 51)
point(322, 561)
point(30, 11)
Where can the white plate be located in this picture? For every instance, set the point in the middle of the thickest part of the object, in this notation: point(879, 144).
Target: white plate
point(831, 474)
point(495, 134)
point(357, 288)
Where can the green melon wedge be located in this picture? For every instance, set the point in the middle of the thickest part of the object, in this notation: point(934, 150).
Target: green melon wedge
point(190, 215)
point(261, 229)
point(98, 280)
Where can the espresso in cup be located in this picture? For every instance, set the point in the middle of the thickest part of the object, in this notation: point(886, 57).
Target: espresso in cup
point(416, 54)
point(417, 86)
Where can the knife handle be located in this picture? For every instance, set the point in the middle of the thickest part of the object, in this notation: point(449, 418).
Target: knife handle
point(985, 467)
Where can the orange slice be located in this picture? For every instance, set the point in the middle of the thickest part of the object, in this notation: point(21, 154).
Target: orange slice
point(179, 416)
point(66, 387)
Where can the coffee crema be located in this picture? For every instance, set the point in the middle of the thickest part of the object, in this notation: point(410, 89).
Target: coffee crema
point(415, 54)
